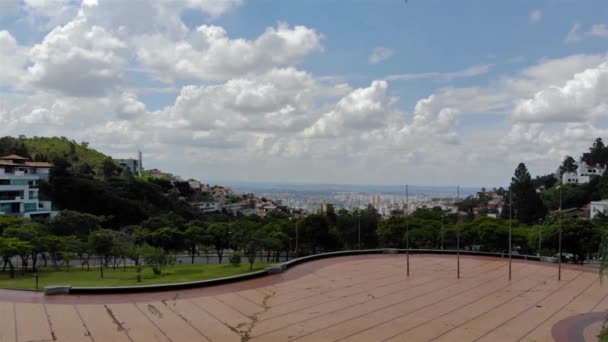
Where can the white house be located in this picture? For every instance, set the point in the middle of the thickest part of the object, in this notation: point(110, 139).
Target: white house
point(19, 180)
point(598, 207)
point(583, 174)
point(570, 178)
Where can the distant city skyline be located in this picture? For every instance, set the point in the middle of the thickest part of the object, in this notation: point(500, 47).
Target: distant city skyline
point(312, 91)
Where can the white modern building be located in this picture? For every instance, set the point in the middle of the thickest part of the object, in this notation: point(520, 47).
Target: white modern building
point(19, 180)
point(597, 208)
point(583, 174)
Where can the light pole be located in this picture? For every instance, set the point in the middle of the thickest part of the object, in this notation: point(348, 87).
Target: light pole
point(510, 225)
point(297, 236)
point(407, 232)
point(559, 263)
point(458, 232)
point(442, 214)
point(359, 230)
point(540, 239)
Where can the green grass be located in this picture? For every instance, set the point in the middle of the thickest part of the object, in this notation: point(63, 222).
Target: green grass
point(171, 274)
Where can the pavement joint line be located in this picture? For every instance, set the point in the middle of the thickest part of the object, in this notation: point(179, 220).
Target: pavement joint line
point(560, 309)
point(399, 276)
point(599, 302)
point(539, 282)
point(185, 320)
point(356, 284)
point(151, 321)
point(528, 308)
point(401, 302)
point(390, 293)
point(88, 332)
point(119, 325)
point(409, 313)
point(350, 306)
point(358, 293)
point(48, 321)
point(15, 321)
point(230, 327)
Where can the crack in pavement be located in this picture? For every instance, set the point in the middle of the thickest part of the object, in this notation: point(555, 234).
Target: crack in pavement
point(245, 328)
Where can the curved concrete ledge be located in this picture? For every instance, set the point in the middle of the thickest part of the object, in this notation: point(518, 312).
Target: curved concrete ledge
point(277, 268)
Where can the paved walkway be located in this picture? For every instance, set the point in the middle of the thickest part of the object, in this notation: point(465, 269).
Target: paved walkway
point(357, 298)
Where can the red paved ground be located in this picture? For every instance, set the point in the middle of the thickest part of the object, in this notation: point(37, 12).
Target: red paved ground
point(357, 298)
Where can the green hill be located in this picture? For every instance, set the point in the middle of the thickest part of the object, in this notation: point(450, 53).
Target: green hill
point(85, 180)
point(49, 149)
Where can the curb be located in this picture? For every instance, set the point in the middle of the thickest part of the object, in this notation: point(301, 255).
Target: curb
point(273, 269)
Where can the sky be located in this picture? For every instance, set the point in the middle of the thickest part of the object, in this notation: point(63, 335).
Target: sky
point(425, 92)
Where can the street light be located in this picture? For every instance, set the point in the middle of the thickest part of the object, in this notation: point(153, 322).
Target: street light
point(407, 233)
point(359, 229)
point(559, 263)
point(442, 215)
point(458, 233)
point(510, 225)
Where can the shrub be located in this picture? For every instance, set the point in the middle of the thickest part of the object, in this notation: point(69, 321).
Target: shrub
point(155, 257)
point(235, 259)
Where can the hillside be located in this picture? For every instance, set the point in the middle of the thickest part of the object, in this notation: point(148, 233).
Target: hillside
point(86, 180)
point(49, 149)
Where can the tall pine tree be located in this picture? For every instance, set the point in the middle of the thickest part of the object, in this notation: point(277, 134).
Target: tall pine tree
point(528, 207)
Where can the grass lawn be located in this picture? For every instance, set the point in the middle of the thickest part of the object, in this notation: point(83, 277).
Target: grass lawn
point(76, 277)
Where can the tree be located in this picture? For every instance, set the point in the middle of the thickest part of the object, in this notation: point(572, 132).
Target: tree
point(598, 153)
point(54, 245)
point(9, 248)
point(527, 207)
point(250, 239)
point(101, 243)
point(195, 236)
point(155, 257)
point(109, 169)
point(568, 165)
point(31, 233)
point(70, 222)
point(167, 238)
point(219, 236)
point(79, 248)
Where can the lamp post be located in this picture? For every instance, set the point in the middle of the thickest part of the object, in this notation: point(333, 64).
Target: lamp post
point(359, 229)
point(407, 232)
point(297, 238)
point(559, 263)
point(540, 233)
point(442, 215)
point(458, 233)
point(510, 226)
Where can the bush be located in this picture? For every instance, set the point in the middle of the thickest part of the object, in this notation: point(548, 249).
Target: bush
point(155, 257)
point(235, 259)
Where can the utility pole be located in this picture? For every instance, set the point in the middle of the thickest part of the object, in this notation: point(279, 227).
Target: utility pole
point(510, 225)
point(458, 233)
point(407, 232)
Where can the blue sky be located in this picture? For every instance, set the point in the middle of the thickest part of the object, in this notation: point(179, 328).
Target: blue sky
point(384, 92)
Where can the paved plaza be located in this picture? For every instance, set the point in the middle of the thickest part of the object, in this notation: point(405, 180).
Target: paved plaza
point(355, 298)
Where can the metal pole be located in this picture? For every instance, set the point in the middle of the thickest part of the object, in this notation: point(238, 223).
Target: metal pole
point(297, 251)
point(407, 232)
point(559, 265)
point(442, 228)
point(540, 233)
point(510, 225)
point(359, 215)
point(458, 233)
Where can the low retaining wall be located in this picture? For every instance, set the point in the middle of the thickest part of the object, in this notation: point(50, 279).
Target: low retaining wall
point(277, 268)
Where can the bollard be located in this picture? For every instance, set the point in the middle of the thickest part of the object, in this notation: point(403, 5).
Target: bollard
point(35, 277)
